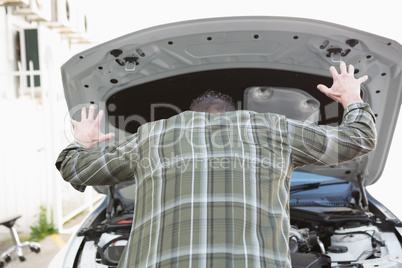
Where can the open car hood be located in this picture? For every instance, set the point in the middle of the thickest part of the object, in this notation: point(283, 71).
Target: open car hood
point(268, 64)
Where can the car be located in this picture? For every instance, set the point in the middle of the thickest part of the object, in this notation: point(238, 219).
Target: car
point(267, 64)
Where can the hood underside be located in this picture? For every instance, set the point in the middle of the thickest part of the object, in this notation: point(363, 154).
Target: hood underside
point(156, 72)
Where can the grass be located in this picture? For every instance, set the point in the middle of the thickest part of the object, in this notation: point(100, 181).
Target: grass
point(43, 228)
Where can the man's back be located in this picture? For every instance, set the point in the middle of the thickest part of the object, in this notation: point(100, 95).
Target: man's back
point(212, 191)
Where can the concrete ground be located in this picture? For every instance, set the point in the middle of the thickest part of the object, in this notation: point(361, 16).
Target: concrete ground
point(49, 247)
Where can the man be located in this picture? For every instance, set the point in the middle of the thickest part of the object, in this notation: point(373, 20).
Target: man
point(212, 184)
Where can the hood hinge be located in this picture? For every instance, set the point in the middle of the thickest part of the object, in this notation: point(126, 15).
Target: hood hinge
point(110, 205)
point(361, 174)
point(363, 197)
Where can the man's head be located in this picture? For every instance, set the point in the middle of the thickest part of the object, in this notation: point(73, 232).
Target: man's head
point(213, 102)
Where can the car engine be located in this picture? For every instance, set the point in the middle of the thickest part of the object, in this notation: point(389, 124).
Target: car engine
point(347, 245)
point(324, 237)
point(342, 237)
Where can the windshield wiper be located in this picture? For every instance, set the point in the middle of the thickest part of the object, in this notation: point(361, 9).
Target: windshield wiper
point(314, 185)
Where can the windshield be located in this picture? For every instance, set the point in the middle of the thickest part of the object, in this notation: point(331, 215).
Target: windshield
point(300, 178)
point(317, 190)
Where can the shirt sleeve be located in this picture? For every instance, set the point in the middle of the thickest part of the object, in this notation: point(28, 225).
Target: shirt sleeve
point(108, 165)
point(326, 145)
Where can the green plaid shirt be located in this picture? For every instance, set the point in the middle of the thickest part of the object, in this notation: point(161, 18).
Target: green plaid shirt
point(212, 190)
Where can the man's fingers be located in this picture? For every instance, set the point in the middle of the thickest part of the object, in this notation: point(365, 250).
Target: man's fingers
point(109, 136)
point(363, 79)
point(99, 117)
point(351, 69)
point(83, 113)
point(333, 71)
point(324, 89)
point(342, 67)
point(91, 112)
point(105, 137)
point(73, 122)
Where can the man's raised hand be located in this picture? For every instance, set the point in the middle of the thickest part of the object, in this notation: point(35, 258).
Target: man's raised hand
point(87, 131)
point(345, 88)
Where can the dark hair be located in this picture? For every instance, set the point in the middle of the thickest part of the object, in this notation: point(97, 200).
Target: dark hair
point(213, 102)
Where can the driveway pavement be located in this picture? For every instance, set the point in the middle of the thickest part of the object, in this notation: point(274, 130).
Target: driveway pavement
point(49, 247)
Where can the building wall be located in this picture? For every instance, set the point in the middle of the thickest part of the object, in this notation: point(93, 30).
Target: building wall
point(35, 124)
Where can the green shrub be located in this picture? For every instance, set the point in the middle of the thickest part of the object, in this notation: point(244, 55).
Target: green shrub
point(42, 229)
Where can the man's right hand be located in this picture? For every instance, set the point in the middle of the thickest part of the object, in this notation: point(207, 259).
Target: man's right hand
point(87, 131)
point(345, 88)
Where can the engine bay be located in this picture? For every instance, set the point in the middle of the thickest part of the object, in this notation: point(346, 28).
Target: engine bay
point(319, 237)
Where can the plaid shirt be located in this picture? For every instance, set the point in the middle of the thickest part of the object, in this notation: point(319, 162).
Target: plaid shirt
point(212, 190)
